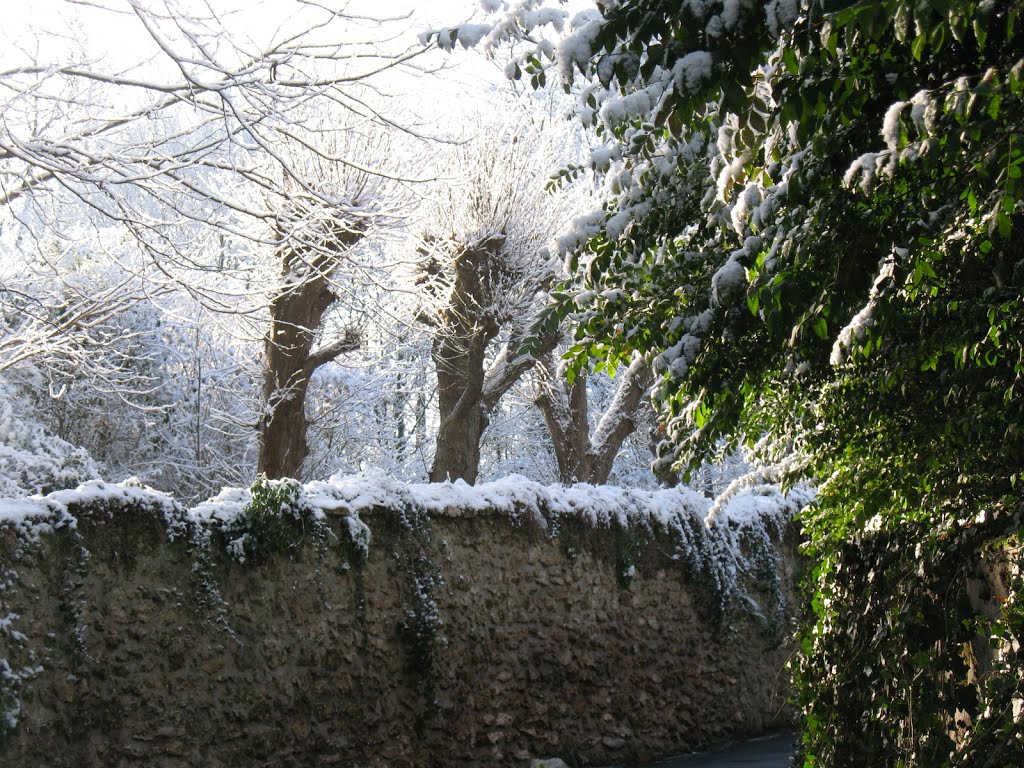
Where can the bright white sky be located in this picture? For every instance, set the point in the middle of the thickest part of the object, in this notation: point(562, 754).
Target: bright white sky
point(108, 35)
point(115, 29)
point(15, 12)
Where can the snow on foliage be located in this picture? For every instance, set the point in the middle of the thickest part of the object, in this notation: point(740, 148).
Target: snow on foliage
point(32, 460)
point(692, 71)
point(96, 493)
point(867, 168)
point(780, 15)
point(856, 329)
point(470, 35)
point(34, 516)
point(576, 48)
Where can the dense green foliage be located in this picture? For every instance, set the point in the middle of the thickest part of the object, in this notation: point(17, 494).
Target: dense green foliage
point(816, 236)
point(905, 666)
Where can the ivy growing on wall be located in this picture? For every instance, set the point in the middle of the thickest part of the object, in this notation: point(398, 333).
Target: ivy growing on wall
point(812, 230)
point(420, 626)
point(274, 522)
point(904, 663)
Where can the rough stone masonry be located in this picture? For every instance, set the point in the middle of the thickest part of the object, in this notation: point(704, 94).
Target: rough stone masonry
point(458, 637)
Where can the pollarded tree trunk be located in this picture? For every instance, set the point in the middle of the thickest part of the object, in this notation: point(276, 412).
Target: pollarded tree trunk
point(468, 395)
point(297, 314)
point(457, 455)
point(466, 326)
point(582, 458)
point(469, 389)
point(458, 352)
point(565, 411)
point(487, 267)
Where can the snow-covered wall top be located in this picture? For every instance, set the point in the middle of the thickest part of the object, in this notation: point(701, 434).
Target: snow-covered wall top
point(368, 620)
point(348, 494)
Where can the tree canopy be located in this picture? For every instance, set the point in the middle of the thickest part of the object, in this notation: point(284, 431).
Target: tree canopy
point(814, 234)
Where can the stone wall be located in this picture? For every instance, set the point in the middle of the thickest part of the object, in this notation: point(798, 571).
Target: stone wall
point(476, 638)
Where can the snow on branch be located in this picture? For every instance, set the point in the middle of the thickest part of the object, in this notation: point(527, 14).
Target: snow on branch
point(184, 137)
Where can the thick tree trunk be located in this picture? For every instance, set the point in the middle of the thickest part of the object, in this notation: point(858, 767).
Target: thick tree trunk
point(283, 447)
point(469, 390)
point(296, 318)
point(459, 361)
point(457, 455)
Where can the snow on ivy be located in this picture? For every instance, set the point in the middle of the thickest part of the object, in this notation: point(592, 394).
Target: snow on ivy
point(728, 280)
point(857, 328)
point(469, 35)
point(780, 15)
point(553, 17)
point(891, 125)
point(601, 158)
point(616, 225)
point(576, 48)
point(692, 71)
point(924, 113)
point(582, 229)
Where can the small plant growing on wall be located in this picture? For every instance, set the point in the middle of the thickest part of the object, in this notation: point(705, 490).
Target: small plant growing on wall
point(421, 628)
point(273, 523)
point(11, 681)
point(628, 557)
point(10, 705)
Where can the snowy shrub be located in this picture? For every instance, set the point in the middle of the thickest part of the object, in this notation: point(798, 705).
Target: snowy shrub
point(32, 460)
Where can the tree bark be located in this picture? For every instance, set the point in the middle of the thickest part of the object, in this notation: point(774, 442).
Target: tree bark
point(565, 411)
point(469, 390)
point(459, 361)
point(297, 314)
point(459, 347)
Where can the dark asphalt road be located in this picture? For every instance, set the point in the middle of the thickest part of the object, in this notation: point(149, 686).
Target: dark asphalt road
point(770, 752)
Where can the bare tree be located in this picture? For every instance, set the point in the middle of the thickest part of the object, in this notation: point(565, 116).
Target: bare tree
point(487, 268)
point(297, 314)
point(186, 144)
point(208, 156)
point(582, 456)
point(68, 325)
point(469, 385)
point(317, 240)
